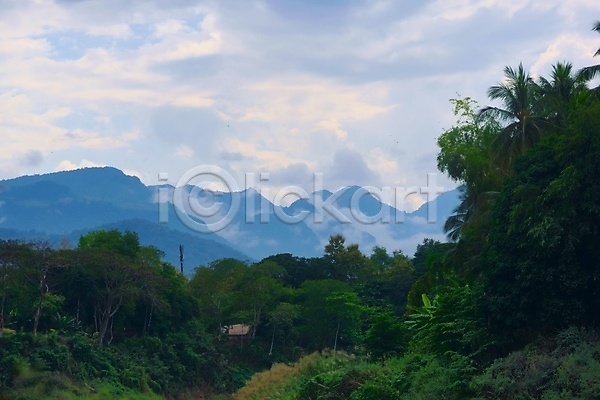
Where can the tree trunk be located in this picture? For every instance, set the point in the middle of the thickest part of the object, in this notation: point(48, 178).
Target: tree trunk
point(150, 317)
point(272, 341)
point(104, 317)
point(336, 337)
point(2, 313)
point(38, 311)
point(257, 314)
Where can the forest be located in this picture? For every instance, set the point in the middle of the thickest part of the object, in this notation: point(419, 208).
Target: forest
point(508, 308)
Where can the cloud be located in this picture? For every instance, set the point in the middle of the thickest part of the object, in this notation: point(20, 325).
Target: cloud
point(349, 168)
point(66, 165)
point(33, 158)
point(356, 89)
point(295, 174)
point(231, 156)
point(184, 151)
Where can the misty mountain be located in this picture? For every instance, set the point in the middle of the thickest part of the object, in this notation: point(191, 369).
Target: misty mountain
point(210, 224)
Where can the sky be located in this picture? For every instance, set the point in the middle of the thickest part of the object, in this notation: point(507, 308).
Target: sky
point(356, 91)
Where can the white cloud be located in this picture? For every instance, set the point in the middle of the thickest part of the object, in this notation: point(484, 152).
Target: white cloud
point(263, 86)
point(184, 151)
point(66, 165)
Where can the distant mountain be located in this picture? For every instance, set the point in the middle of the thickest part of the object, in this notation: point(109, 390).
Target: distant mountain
point(65, 201)
point(362, 218)
point(64, 205)
point(67, 204)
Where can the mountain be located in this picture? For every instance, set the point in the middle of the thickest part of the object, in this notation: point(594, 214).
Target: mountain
point(365, 219)
point(65, 201)
point(64, 205)
point(210, 224)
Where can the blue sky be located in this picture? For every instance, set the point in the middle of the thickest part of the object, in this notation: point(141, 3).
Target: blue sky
point(356, 90)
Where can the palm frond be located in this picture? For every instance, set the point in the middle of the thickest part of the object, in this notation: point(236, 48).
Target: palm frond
point(495, 112)
point(590, 72)
point(596, 28)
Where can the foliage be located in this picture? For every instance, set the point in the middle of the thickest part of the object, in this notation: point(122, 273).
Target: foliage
point(567, 367)
point(342, 376)
point(543, 243)
point(386, 336)
point(524, 113)
point(111, 319)
point(451, 322)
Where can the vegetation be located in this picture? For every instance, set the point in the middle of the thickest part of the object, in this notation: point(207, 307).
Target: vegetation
point(507, 309)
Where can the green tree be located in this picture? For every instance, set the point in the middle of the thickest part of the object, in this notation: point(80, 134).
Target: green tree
point(344, 308)
point(523, 112)
point(317, 327)
point(387, 334)
point(465, 156)
point(114, 266)
point(114, 281)
point(38, 268)
point(431, 260)
point(592, 71)
point(346, 264)
point(215, 288)
point(126, 244)
point(12, 255)
point(282, 319)
point(389, 284)
point(299, 269)
point(561, 93)
point(260, 289)
point(540, 271)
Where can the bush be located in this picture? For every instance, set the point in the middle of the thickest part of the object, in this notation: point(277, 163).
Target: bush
point(567, 367)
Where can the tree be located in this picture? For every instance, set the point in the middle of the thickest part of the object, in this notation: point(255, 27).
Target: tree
point(389, 284)
point(126, 244)
point(298, 269)
point(387, 334)
point(345, 309)
point(11, 261)
point(466, 157)
point(115, 268)
point(260, 289)
point(41, 262)
point(282, 319)
point(214, 287)
point(540, 271)
point(592, 71)
point(346, 264)
point(318, 326)
point(560, 92)
point(114, 280)
point(522, 110)
point(431, 262)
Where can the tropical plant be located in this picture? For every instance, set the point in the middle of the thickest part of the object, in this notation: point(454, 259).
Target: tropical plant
point(465, 156)
point(561, 91)
point(519, 95)
point(592, 71)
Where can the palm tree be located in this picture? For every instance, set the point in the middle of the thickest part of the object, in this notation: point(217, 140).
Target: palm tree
point(472, 214)
point(596, 28)
point(591, 71)
point(523, 112)
point(456, 222)
point(559, 93)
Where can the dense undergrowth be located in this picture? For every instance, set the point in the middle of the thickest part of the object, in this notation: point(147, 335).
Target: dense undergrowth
point(566, 366)
point(75, 366)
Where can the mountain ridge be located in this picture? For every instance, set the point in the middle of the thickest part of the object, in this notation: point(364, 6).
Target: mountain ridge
point(61, 203)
